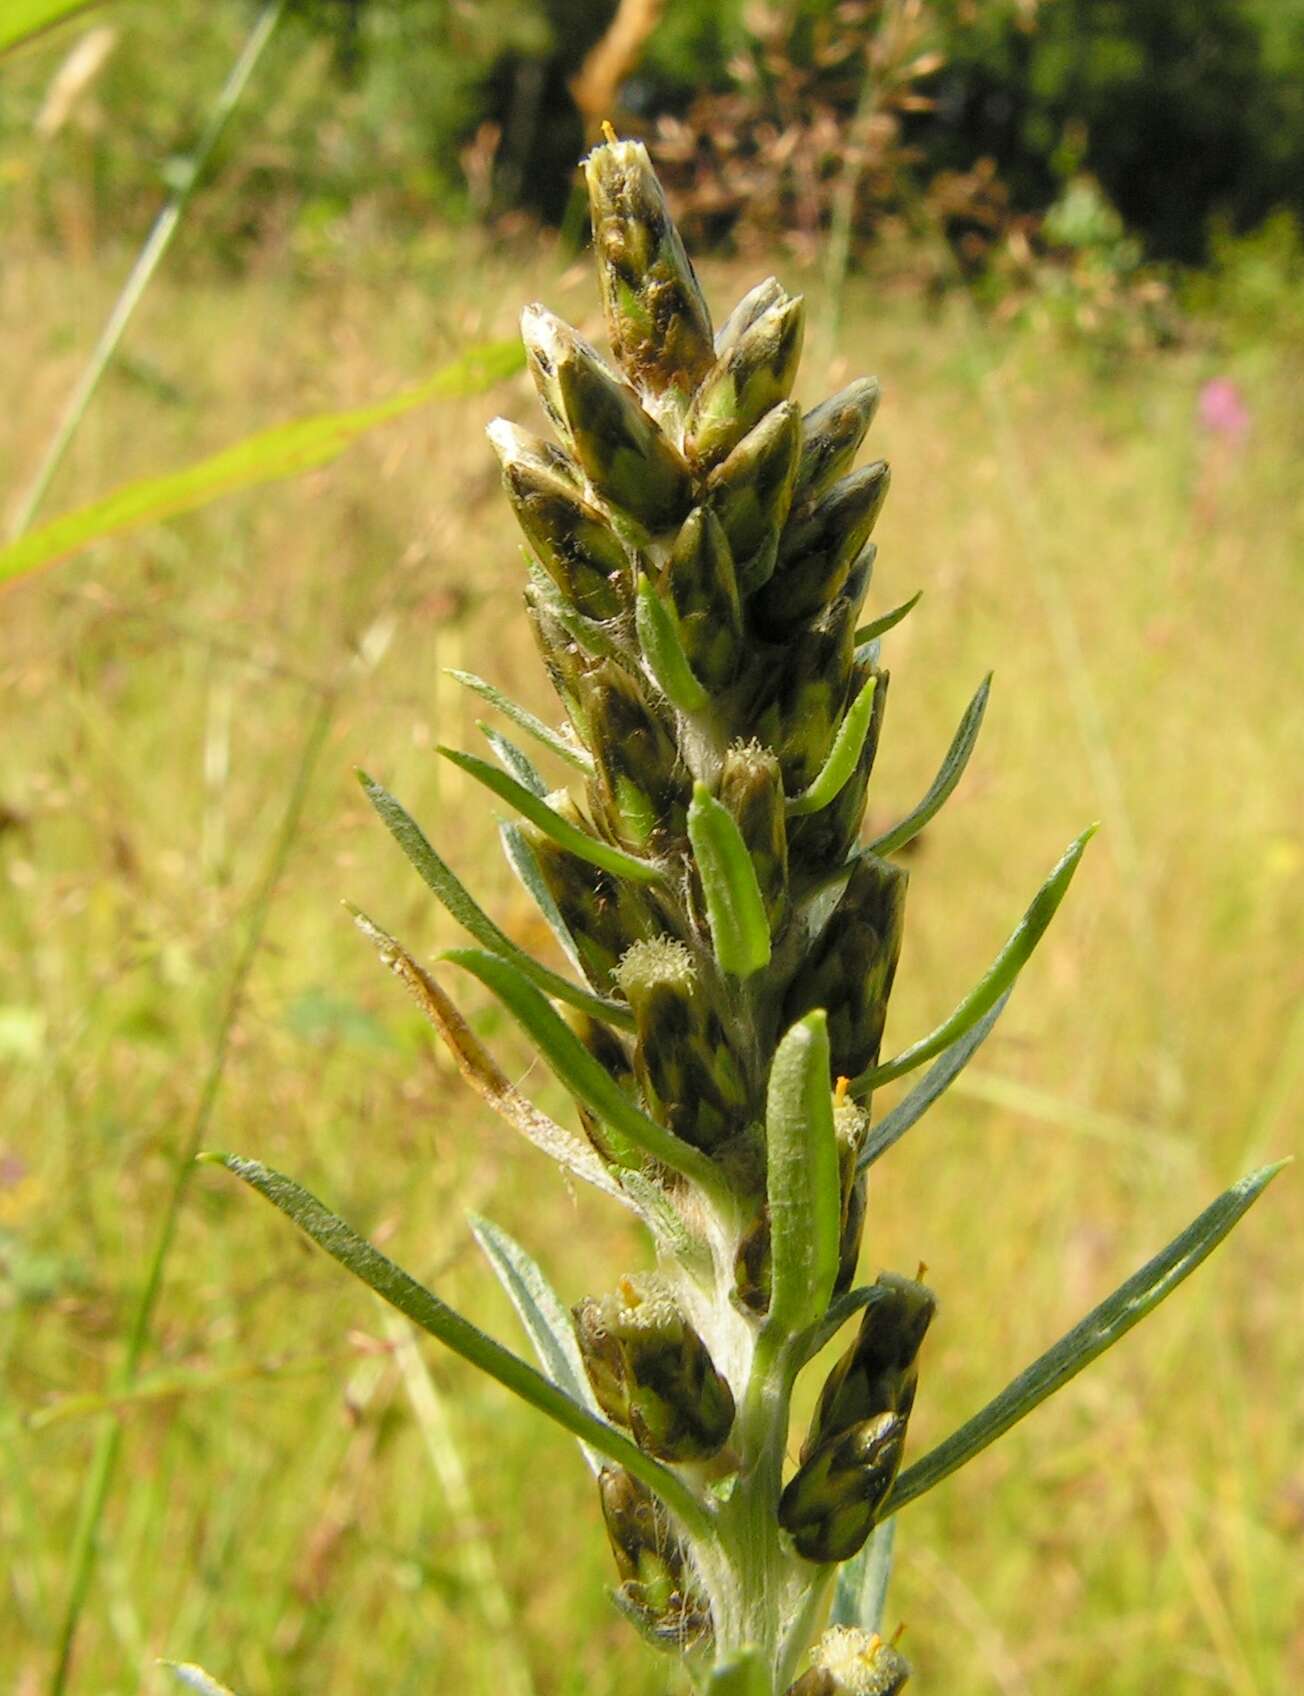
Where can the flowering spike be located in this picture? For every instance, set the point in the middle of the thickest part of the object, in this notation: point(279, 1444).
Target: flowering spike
point(657, 321)
point(700, 554)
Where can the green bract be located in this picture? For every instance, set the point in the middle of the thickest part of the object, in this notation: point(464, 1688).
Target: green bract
point(699, 565)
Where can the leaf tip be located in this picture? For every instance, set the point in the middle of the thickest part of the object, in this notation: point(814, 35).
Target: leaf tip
point(1254, 1182)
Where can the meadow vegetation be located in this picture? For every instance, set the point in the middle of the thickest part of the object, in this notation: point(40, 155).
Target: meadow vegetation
point(308, 1503)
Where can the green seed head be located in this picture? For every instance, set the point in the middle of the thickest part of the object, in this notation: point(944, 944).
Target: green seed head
point(657, 1584)
point(879, 1372)
point(819, 548)
point(850, 971)
point(619, 446)
point(605, 915)
point(650, 1370)
point(751, 787)
point(569, 536)
point(830, 1505)
point(657, 321)
point(755, 373)
point(700, 580)
point(641, 793)
point(752, 490)
point(832, 434)
point(690, 1077)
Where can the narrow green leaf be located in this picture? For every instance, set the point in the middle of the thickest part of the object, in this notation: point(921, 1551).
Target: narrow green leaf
point(540, 1310)
point(842, 757)
point(802, 1182)
point(283, 451)
point(949, 774)
point(861, 1593)
point(887, 621)
point(514, 760)
point(525, 720)
point(425, 1309)
point(525, 863)
point(996, 980)
point(745, 1674)
point(894, 1125)
point(658, 635)
point(586, 1078)
point(740, 930)
point(472, 917)
point(195, 1678)
point(1100, 1330)
point(21, 20)
point(590, 848)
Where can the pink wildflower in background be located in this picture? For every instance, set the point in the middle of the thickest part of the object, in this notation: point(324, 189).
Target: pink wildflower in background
point(1222, 411)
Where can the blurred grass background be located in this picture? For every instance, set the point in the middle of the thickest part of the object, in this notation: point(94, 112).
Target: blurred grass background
point(288, 1512)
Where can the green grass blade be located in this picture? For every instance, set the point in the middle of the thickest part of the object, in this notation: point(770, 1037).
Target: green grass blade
point(586, 1078)
point(842, 757)
point(21, 20)
point(803, 1185)
point(894, 1125)
point(887, 621)
point(562, 831)
point(195, 1678)
point(283, 451)
point(514, 760)
point(525, 863)
point(426, 1310)
point(948, 775)
point(525, 720)
point(658, 635)
point(861, 1591)
point(995, 981)
point(740, 930)
point(540, 1309)
point(101, 1473)
point(472, 917)
point(1100, 1330)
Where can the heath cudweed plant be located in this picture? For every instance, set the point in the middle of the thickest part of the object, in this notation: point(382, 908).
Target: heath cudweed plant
point(699, 556)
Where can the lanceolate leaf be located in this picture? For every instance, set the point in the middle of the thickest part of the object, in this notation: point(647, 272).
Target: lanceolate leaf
point(1100, 1330)
point(861, 1592)
point(586, 1078)
point(479, 1070)
point(438, 877)
point(803, 1186)
point(997, 979)
point(514, 760)
point(887, 621)
point(894, 1125)
point(658, 635)
point(526, 721)
point(542, 1314)
point(842, 757)
point(949, 774)
point(425, 1309)
point(283, 451)
point(525, 863)
point(740, 930)
point(590, 848)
